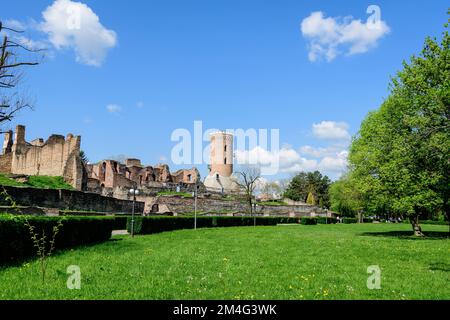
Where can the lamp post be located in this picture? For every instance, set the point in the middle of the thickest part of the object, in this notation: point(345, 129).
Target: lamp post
point(254, 213)
point(195, 206)
point(134, 193)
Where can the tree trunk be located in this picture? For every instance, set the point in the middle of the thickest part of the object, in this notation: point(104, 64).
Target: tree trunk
point(416, 226)
point(250, 204)
point(447, 213)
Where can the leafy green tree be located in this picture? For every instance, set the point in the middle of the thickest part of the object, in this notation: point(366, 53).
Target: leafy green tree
point(345, 198)
point(401, 155)
point(309, 182)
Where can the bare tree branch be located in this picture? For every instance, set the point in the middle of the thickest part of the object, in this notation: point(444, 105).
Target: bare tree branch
point(247, 180)
point(11, 74)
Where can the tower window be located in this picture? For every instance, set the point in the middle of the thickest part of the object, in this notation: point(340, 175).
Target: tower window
point(225, 148)
point(225, 160)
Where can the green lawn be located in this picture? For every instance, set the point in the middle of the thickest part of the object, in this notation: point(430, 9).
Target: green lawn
point(283, 262)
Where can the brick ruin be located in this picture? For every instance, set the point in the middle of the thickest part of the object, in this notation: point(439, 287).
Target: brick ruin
point(110, 174)
point(58, 156)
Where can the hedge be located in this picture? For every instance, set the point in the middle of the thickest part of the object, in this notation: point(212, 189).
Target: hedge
point(120, 222)
point(307, 221)
point(326, 220)
point(15, 238)
point(149, 225)
point(349, 220)
point(441, 223)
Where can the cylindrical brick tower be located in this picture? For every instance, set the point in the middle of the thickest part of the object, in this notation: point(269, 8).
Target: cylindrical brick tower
point(221, 161)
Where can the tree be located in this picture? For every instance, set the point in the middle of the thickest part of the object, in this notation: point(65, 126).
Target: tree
point(84, 157)
point(345, 198)
point(401, 155)
point(271, 188)
point(312, 182)
point(310, 200)
point(247, 180)
point(11, 102)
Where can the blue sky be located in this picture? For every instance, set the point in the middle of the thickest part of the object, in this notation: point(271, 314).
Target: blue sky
point(161, 65)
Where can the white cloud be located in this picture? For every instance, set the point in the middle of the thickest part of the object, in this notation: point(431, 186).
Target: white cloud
point(15, 24)
point(334, 164)
point(75, 26)
point(113, 108)
point(291, 161)
point(331, 130)
point(322, 152)
point(329, 37)
point(30, 43)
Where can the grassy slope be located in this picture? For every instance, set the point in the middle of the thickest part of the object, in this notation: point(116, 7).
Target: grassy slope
point(284, 262)
point(42, 182)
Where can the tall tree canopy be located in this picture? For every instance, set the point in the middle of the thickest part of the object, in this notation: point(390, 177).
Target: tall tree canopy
point(345, 199)
point(401, 156)
point(309, 182)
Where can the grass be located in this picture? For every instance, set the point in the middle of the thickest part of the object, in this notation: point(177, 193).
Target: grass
point(7, 182)
point(273, 203)
point(41, 182)
point(284, 262)
point(173, 193)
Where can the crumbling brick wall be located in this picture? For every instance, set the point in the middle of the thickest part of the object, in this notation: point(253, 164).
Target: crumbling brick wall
point(58, 156)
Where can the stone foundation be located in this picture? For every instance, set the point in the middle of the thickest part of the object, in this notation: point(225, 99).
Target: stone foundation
point(70, 200)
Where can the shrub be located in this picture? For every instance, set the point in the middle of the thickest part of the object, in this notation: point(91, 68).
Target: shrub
point(326, 220)
point(120, 222)
point(441, 223)
point(149, 225)
point(349, 220)
point(16, 243)
point(307, 221)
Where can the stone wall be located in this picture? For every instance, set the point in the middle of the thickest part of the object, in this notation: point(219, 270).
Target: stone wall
point(71, 200)
point(111, 174)
point(57, 157)
point(179, 205)
point(5, 163)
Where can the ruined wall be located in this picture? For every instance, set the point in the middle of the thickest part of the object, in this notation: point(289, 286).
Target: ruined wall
point(186, 176)
point(179, 205)
point(71, 200)
point(58, 156)
point(112, 174)
point(5, 163)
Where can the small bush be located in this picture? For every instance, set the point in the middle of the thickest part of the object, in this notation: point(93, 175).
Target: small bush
point(307, 221)
point(349, 220)
point(120, 222)
point(16, 243)
point(326, 220)
point(440, 223)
